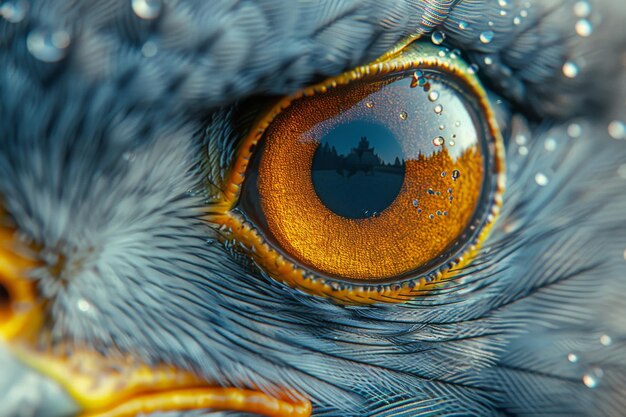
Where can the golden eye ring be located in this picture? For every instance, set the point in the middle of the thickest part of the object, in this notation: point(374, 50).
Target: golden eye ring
point(289, 230)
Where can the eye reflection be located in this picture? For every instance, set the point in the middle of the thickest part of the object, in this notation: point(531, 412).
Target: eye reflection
point(358, 169)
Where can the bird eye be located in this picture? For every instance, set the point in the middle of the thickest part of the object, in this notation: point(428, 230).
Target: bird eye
point(372, 185)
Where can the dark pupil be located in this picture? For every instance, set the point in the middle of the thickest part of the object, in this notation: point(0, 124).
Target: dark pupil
point(358, 169)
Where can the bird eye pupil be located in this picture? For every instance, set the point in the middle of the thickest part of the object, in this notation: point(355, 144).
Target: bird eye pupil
point(358, 169)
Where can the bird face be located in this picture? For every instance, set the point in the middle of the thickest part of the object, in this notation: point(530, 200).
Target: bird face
point(126, 289)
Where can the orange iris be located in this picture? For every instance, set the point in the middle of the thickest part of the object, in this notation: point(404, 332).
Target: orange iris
point(443, 176)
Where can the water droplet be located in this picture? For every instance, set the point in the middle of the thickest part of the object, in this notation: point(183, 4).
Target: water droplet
point(523, 150)
point(582, 9)
point(456, 174)
point(617, 130)
point(438, 37)
point(438, 109)
point(415, 203)
point(463, 25)
point(451, 143)
point(517, 20)
point(541, 179)
point(605, 340)
point(549, 145)
point(433, 95)
point(14, 11)
point(83, 305)
point(574, 130)
point(147, 9)
point(572, 357)
point(48, 46)
point(583, 28)
point(369, 104)
point(570, 69)
point(403, 115)
point(472, 69)
point(149, 49)
point(486, 36)
point(592, 378)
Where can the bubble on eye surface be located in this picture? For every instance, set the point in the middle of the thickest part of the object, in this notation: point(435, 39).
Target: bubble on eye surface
point(503, 3)
point(517, 20)
point(48, 46)
point(358, 168)
point(438, 109)
point(583, 28)
point(574, 130)
point(486, 36)
point(433, 95)
point(570, 69)
point(463, 25)
point(549, 145)
point(438, 37)
point(147, 9)
point(572, 357)
point(438, 141)
point(606, 340)
point(14, 11)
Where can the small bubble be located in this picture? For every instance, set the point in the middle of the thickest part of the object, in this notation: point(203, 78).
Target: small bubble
point(570, 69)
point(472, 69)
point(438, 37)
point(517, 20)
point(441, 54)
point(549, 145)
point(584, 28)
point(456, 174)
point(592, 378)
point(490, 23)
point(523, 150)
point(403, 115)
point(463, 25)
point(128, 156)
point(617, 130)
point(443, 173)
point(523, 13)
point(149, 49)
point(488, 60)
point(433, 95)
point(48, 46)
point(582, 9)
point(503, 3)
point(451, 143)
point(605, 340)
point(574, 130)
point(419, 210)
point(441, 127)
point(147, 9)
point(520, 139)
point(14, 11)
point(457, 123)
point(415, 203)
point(439, 213)
point(438, 109)
point(572, 357)
point(431, 191)
point(369, 104)
point(541, 179)
point(445, 213)
point(621, 171)
point(431, 216)
point(503, 13)
point(438, 141)
point(486, 36)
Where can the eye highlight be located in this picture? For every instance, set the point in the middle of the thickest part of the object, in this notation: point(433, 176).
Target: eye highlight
point(373, 185)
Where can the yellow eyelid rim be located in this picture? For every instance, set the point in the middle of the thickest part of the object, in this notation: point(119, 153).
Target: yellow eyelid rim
point(234, 227)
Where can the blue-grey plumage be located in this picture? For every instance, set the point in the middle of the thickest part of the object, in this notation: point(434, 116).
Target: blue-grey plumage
point(111, 130)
